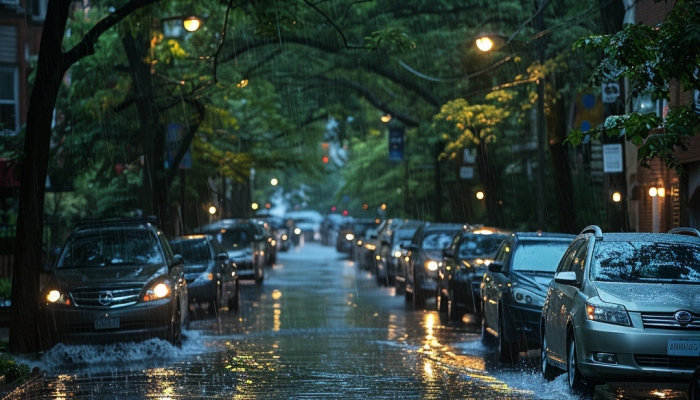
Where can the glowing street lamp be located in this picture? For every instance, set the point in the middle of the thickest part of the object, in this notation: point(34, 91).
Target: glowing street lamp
point(191, 23)
point(480, 195)
point(484, 43)
point(616, 197)
point(274, 182)
point(212, 210)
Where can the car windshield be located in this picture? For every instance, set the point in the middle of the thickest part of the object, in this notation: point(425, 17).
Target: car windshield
point(193, 250)
point(475, 246)
point(111, 248)
point(538, 256)
point(437, 240)
point(234, 237)
point(646, 262)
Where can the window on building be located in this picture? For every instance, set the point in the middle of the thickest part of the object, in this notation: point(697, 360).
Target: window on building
point(9, 104)
point(645, 105)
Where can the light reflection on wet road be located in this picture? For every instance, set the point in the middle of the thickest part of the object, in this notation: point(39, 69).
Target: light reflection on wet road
point(317, 328)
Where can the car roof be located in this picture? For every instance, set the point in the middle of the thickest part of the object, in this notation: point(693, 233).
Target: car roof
point(648, 237)
point(116, 223)
point(544, 235)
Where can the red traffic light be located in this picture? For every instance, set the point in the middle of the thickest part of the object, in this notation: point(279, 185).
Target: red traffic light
point(325, 159)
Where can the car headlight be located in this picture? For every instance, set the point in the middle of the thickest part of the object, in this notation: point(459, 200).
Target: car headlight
point(297, 231)
point(431, 265)
point(527, 297)
point(284, 237)
point(57, 297)
point(397, 254)
point(597, 310)
point(158, 291)
point(349, 237)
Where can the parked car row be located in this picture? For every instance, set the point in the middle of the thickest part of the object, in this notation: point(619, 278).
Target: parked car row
point(118, 280)
point(601, 307)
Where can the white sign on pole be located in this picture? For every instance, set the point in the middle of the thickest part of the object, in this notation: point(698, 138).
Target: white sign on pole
point(612, 158)
point(468, 157)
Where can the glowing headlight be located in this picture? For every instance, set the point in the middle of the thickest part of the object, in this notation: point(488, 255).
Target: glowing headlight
point(597, 310)
point(284, 237)
point(159, 291)
point(431, 265)
point(349, 237)
point(297, 231)
point(53, 296)
point(273, 243)
point(397, 254)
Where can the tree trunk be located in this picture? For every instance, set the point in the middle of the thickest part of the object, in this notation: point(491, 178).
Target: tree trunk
point(563, 186)
point(490, 180)
point(24, 314)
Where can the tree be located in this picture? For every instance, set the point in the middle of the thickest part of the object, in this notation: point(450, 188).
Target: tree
point(652, 59)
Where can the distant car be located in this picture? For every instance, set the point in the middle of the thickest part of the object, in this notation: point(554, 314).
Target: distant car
point(423, 257)
point(346, 237)
point(513, 290)
point(308, 222)
point(624, 307)
point(115, 281)
point(271, 246)
point(392, 234)
point(362, 229)
point(465, 261)
point(245, 244)
point(212, 278)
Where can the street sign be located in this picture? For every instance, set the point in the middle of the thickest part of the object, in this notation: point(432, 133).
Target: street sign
point(612, 158)
point(396, 144)
point(466, 172)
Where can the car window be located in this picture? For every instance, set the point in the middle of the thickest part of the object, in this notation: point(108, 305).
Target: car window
point(111, 248)
point(475, 246)
point(538, 255)
point(504, 251)
point(235, 237)
point(437, 240)
point(646, 262)
point(567, 261)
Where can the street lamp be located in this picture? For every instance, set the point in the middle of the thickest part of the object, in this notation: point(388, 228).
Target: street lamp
point(484, 43)
point(191, 23)
point(274, 182)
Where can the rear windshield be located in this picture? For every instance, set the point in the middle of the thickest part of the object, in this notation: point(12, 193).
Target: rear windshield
point(193, 250)
point(234, 238)
point(538, 255)
point(477, 246)
point(112, 247)
point(438, 240)
point(646, 262)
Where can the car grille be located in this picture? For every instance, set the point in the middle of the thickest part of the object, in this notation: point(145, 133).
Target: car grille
point(670, 362)
point(119, 297)
point(667, 321)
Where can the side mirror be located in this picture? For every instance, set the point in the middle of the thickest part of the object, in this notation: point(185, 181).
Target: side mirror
point(496, 266)
point(566, 278)
point(178, 260)
point(222, 256)
point(448, 253)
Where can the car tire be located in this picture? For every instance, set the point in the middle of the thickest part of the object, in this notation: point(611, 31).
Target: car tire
point(486, 338)
point(549, 372)
point(233, 301)
point(694, 387)
point(176, 328)
point(577, 382)
point(508, 353)
point(454, 311)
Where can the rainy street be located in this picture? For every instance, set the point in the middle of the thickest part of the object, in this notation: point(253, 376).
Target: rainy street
point(317, 328)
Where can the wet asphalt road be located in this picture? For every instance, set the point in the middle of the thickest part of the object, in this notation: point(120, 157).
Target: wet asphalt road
point(316, 328)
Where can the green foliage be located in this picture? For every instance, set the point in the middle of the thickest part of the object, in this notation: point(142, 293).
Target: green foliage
point(390, 40)
point(651, 58)
point(14, 372)
point(5, 288)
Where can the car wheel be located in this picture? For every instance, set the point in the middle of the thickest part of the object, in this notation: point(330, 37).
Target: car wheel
point(508, 353)
point(454, 311)
point(694, 387)
point(577, 382)
point(443, 303)
point(233, 300)
point(486, 338)
point(176, 329)
point(549, 372)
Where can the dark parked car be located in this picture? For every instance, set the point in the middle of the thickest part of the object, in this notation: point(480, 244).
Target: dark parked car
point(624, 307)
point(212, 278)
point(245, 244)
point(465, 261)
point(115, 281)
point(395, 232)
point(423, 258)
point(514, 288)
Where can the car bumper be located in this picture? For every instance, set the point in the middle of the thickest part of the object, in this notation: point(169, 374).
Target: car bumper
point(523, 324)
point(136, 323)
point(201, 292)
point(641, 354)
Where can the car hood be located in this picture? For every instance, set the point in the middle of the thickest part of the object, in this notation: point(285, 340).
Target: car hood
point(245, 253)
point(650, 297)
point(432, 255)
point(539, 281)
point(108, 275)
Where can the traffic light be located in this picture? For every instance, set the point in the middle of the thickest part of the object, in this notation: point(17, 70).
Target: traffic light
point(324, 148)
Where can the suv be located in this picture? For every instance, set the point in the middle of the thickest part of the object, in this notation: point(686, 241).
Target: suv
point(115, 281)
point(624, 307)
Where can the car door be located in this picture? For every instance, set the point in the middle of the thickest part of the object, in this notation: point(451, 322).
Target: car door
point(560, 298)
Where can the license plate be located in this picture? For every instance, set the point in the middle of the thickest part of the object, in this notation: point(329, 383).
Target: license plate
point(107, 323)
point(684, 347)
